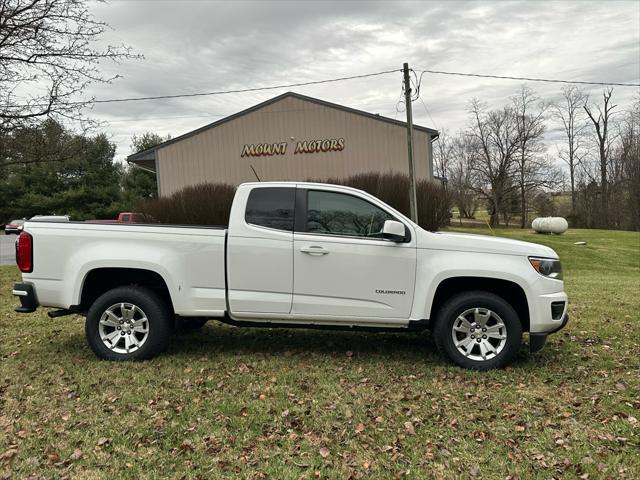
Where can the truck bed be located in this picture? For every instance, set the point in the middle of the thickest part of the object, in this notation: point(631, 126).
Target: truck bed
point(67, 251)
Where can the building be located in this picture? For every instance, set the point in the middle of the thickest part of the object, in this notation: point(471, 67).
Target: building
point(290, 137)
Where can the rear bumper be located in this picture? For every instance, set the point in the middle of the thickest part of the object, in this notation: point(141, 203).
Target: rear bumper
point(27, 295)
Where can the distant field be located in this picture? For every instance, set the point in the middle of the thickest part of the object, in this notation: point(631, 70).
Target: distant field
point(241, 403)
point(562, 201)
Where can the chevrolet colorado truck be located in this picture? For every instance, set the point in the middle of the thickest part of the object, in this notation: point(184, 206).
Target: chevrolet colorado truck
point(295, 255)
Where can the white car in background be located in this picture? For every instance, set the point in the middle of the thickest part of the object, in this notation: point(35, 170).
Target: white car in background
point(50, 218)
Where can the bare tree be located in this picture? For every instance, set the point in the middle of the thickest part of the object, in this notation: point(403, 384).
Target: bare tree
point(624, 171)
point(442, 155)
point(532, 168)
point(494, 142)
point(48, 57)
point(601, 126)
point(568, 113)
point(459, 176)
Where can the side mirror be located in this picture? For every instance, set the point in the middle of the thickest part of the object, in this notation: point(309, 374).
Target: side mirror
point(393, 231)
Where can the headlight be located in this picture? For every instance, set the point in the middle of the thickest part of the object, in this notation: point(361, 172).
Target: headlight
point(547, 267)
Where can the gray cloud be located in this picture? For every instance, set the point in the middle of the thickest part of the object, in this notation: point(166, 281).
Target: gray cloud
point(195, 46)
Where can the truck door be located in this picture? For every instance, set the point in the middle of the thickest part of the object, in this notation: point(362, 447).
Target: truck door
point(343, 266)
point(259, 250)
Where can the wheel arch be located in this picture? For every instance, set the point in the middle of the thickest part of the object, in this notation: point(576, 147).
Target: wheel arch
point(510, 291)
point(102, 279)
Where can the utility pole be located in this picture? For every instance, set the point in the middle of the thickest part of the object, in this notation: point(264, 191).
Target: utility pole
point(413, 202)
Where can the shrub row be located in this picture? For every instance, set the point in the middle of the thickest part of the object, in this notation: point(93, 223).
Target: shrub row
point(210, 203)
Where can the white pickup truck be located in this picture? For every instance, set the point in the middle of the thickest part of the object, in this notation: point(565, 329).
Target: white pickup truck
point(295, 255)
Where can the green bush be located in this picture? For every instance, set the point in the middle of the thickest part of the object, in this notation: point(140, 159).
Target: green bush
point(210, 203)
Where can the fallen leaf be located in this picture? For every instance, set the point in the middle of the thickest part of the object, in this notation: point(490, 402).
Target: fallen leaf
point(360, 428)
point(103, 441)
point(474, 471)
point(324, 452)
point(76, 455)
point(8, 454)
point(53, 457)
point(187, 445)
point(408, 426)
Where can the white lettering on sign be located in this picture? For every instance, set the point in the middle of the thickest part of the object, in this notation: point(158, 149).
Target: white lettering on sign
point(306, 146)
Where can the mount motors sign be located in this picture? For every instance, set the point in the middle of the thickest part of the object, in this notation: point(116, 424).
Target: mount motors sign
point(306, 146)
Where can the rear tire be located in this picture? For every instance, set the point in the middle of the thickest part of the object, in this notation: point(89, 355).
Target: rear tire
point(478, 330)
point(128, 323)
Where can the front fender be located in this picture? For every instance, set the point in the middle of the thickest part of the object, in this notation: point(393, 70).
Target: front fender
point(436, 266)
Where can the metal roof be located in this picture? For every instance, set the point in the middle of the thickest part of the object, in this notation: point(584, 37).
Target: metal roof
point(149, 154)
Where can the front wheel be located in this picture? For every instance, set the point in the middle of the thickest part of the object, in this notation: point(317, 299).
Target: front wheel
point(478, 330)
point(128, 323)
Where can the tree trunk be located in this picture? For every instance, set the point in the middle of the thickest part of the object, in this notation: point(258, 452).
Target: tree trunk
point(573, 188)
point(604, 215)
point(523, 205)
point(495, 213)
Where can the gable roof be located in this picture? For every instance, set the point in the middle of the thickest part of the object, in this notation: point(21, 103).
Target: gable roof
point(149, 154)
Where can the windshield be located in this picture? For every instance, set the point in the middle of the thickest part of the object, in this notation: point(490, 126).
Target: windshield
point(17, 222)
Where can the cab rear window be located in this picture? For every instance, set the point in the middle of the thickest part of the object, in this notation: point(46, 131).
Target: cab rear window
point(271, 207)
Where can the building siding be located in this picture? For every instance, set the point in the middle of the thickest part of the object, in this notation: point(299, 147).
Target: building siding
point(214, 155)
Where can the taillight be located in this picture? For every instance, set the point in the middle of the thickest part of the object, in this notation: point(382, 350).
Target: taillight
point(24, 252)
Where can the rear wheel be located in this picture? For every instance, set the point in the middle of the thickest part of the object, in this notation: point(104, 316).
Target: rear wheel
point(478, 330)
point(128, 323)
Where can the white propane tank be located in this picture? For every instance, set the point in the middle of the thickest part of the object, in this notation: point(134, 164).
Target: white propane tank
point(557, 225)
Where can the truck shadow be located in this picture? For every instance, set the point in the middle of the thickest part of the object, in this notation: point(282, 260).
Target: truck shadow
point(216, 339)
point(410, 346)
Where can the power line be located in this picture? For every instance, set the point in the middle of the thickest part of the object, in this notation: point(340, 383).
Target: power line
point(417, 84)
point(529, 79)
point(225, 92)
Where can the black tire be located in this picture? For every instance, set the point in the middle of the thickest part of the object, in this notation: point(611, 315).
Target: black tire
point(189, 324)
point(461, 303)
point(156, 311)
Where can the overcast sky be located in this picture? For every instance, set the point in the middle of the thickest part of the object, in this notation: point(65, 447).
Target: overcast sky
point(200, 46)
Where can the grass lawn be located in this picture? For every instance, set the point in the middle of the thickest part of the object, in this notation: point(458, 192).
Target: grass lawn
point(259, 403)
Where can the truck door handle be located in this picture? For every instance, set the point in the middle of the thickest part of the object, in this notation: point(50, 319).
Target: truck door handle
point(314, 250)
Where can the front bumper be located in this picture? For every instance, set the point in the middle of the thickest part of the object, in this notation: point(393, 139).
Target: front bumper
point(27, 295)
point(537, 340)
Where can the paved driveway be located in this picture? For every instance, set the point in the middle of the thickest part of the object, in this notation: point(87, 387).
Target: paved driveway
point(7, 249)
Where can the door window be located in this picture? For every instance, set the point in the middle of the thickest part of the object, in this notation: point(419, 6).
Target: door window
point(271, 207)
point(330, 213)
